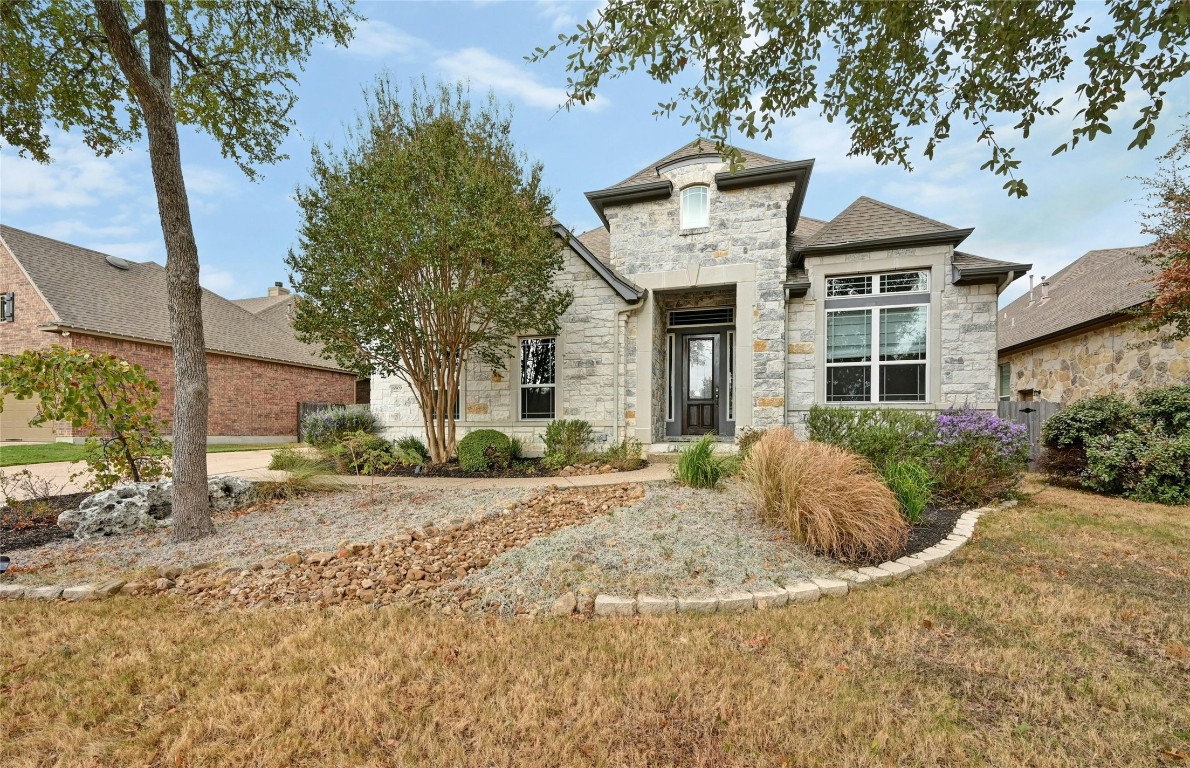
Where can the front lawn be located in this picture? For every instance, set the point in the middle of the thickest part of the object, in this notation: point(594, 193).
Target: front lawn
point(41, 453)
point(1058, 637)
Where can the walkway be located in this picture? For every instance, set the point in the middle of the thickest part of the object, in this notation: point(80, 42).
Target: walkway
point(253, 465)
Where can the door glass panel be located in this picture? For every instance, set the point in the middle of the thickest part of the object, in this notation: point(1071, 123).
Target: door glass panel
point(700, 371)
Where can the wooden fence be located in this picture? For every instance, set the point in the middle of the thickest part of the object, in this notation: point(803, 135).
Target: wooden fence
point(1033, 414)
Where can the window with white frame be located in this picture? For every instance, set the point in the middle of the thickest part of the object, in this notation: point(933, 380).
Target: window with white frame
point(877, 338)
point(695, 207)
point(538, 385)
point(1005, 381)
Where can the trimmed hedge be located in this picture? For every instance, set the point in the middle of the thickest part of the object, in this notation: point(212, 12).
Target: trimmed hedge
point(484, 449)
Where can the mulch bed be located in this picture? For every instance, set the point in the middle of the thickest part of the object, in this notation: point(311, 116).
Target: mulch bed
point(936, 524)
point(28, 524)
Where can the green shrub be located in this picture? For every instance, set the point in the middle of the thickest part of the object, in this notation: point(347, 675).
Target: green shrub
point(292, 458)
point(364, 454)
point(325, 428)
point(516, 446)
point(1146, 465)
point(1167, 408)
point(484, 449)
point(1075, 424)
point(911, 483)
point(698, 466)
point(625, 456)
point(880, 435)
point(976, 456)
point(566, 442)
point(412, 451)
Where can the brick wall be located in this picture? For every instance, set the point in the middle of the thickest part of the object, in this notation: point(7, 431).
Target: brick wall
point(248, 397)
point(30, 312)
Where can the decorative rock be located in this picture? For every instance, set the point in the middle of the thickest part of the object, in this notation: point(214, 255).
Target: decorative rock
point(293, 559)
point(770, 598)
point(1008, 503)
point(169, 571)
point(564, 605)
point(43, 593)
point(109, 588)
point(11, 591)
point(608, 605)
point(916, 564)
point(321, 558)
point(856, 579)
point(803, 592)
point(80, 593)
point(833, 587)
point(737, 601)
point(415, 574)
point(163, 584)
point(875, 574)
point(143, 506)
point(697, 604)
point(648, 605)
point(898, 570)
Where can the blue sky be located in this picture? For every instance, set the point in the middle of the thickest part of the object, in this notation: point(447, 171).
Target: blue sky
point(1078, 201)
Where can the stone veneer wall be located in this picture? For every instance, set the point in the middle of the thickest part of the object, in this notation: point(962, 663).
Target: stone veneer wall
point(585, 375)
point(962, 332)
point(747, 230)
point(1099, 361)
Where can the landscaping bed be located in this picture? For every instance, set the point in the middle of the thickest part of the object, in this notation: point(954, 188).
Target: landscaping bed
point(515, 468)
point(28, 524)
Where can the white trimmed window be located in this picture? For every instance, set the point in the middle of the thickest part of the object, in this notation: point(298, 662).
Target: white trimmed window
point(538, 387)
point(696, 210)
point(877, 329)
point(1005, 381)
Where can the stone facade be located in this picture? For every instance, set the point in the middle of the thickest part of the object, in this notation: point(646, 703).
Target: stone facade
point(1113, 357)
point(587, 381)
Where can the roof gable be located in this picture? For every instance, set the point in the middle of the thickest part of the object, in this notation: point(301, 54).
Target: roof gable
point(867, 219)
point(698, 147)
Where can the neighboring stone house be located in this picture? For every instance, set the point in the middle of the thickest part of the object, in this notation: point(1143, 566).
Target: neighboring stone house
point(708, 303)
point(1075, 334)
point(58, 293)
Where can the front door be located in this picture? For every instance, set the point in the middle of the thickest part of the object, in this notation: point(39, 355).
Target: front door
point(700, 414)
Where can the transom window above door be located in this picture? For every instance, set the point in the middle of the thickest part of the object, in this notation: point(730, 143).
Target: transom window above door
point(695, 207)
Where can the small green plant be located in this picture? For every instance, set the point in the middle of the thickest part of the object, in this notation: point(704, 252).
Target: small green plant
point(363, 454)
point(323, 429)
point(911, 483)
point(484, 449)
point(411, 451)
point(516, 446)
point(698, 466)
point(625, 456)
point(566, 442)
point(302, 478)
point(880, 435)
point(292, 457)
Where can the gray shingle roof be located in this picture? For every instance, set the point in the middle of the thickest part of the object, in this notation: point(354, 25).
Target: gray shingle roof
point(1097, 286)
point(258, 304)
point(89, 294)
point(868, 219)
point(272, 309)
point(693, 149)
point(599, 243)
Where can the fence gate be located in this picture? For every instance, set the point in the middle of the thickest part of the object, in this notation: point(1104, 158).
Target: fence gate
point(1033, 414)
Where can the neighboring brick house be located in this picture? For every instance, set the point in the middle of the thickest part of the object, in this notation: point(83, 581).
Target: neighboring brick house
point(708, 303)
point(62, 294)
point(1075, 334)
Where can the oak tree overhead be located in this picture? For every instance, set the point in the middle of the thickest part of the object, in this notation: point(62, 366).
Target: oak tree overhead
point(117, 71)
point(426, 244)
point(1168, 220)
point(899, 73)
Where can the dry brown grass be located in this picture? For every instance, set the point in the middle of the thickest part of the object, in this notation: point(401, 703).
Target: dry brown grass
point(1058, 637)
point(830, 500)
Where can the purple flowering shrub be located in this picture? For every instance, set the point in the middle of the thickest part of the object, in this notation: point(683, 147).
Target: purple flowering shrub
point(976, 456)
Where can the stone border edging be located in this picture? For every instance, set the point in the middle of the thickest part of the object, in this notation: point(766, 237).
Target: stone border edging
point(810, 591)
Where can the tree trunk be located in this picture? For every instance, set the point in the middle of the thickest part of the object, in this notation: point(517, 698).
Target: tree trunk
point(151, 86)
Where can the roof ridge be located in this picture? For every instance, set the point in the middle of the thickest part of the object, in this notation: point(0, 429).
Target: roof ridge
point(892, 207)
point(70, 245)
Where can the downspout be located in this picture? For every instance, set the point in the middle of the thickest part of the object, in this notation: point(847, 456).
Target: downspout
point(616, 388)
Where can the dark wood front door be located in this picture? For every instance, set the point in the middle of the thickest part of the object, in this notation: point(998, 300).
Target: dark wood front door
point(701, 357)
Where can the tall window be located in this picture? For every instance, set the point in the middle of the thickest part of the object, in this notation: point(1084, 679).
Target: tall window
point(538, 387)
point(1005, 381)
point(695, 208)
point(877, 353)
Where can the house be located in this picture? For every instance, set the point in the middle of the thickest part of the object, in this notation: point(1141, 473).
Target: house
point(56, 293)
point(707, 303)
point(1075, 334)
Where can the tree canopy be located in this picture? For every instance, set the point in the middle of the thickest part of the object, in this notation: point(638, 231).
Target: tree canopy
point(1168, 220)
point(901, 74)
point(426, 243)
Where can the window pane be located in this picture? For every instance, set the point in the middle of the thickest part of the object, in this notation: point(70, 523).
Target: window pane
point(848, 286)
point(700, 369)
point(849, 336)
point(849, 383)
point(1005, 380)
point(434, 403)
point(903, 333)
point(537, 403)
point(904, 282)
point(903, 383)
point(537, 361)
point(694, 207)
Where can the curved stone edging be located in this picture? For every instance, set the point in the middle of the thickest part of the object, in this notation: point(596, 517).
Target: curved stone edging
point(810, 591)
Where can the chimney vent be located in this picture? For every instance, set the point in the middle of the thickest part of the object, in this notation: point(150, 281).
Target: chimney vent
point(278, 289)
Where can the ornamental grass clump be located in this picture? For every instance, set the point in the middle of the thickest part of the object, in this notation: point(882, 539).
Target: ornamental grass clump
point(699, 467)
point(977, 456)
point(830, 500)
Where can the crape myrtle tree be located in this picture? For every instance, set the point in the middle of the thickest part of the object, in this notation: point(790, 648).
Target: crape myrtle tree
point(1168, 220)
point(426, 244)
point(116, 71)
point(901, 74)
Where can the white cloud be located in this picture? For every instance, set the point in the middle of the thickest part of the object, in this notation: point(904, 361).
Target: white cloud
point(560, 13)
point(222, 282)
point(378, 39)
point(487, 71)
point(76, 178)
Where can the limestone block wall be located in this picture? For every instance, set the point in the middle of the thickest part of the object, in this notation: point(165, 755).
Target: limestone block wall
point(1114, 357)
point(586, 376)
point(961, 358)
point(744, 245)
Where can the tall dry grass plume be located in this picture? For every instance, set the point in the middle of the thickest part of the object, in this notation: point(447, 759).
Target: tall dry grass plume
point(831, 500)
